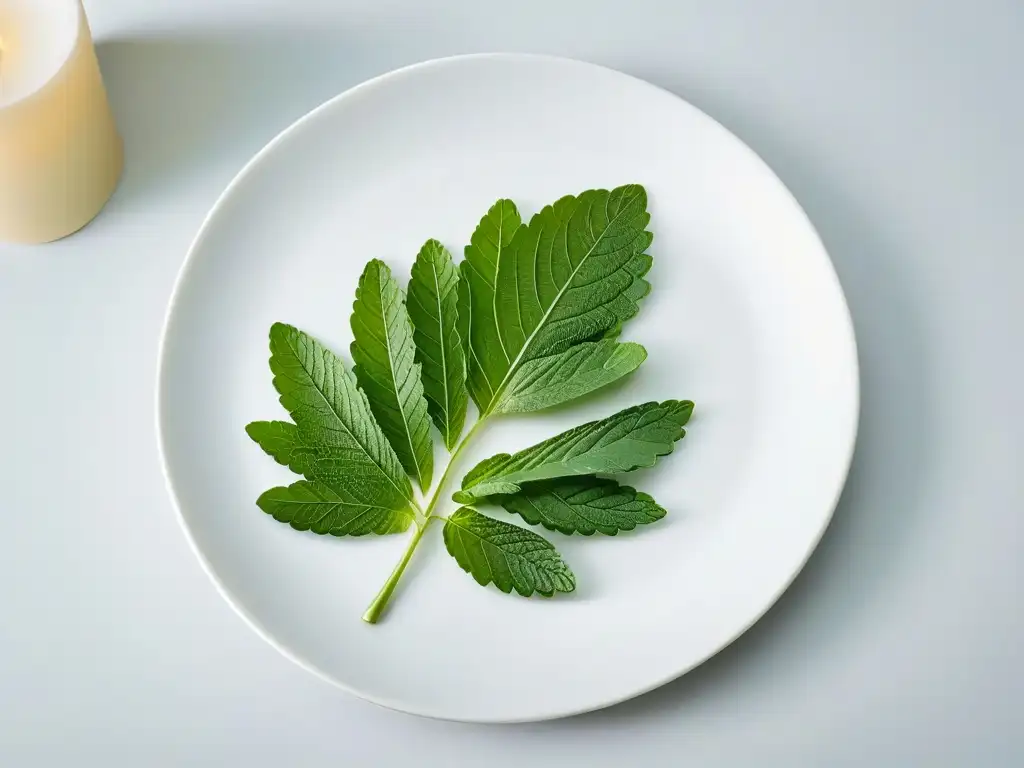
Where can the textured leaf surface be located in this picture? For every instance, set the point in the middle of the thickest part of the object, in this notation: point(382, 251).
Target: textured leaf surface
point(559, 378)
point(281, 440)
point(312, 506)
point(433, 298)
point(573, 274)
point(583, 505)
point(487, 363)
point(625, 441)
point(384, 353)
point(341, 443)
point(506, 555)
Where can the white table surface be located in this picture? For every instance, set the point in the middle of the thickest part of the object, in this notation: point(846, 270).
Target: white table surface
point(897, 124)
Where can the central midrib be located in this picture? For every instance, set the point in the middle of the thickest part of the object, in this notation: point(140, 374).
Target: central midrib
point(444, 353)
point(394, 379)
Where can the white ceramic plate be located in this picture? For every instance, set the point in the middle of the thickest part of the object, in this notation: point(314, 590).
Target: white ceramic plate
point(746, 318)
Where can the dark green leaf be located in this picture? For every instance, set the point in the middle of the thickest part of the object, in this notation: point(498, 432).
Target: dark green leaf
point(384, 354)
point(507, 555)
point(312, 506)
point(574, 273)
point(334, 425)
point(487, 363)
point(433, 296)
point(583, 505)
point(628, 440)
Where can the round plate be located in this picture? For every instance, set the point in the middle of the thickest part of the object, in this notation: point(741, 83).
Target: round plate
point(746, 318)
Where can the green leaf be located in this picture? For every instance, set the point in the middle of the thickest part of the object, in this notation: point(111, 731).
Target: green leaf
point(506, 555)
point(281, 440)
point(312, 506)
point(579, 370)
point(583, 505)
point(486, 360)
point(573, 274)
point(384, 354)
point(433, 296)
point(333, 422)
point(628, 440)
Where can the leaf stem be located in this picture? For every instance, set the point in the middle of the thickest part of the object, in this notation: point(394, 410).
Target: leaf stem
point(380, 602)
point(451, 463)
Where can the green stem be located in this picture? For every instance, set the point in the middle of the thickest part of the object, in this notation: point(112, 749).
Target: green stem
point(373, 613)
point(381, 600)
point(451, 463)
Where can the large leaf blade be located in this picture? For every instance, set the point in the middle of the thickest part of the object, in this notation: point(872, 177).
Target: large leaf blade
point(575, 273)
point(486, 360)
point(508, 556)
point(579, 370)
point(384, 354)
point(570, 272)
point(432, 304)
point(630, 439)
point(584, 505)
point(316, 507)
point(332, 415)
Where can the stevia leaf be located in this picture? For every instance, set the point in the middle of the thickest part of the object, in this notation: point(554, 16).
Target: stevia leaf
point(384, 354)
point(506, 555)
point(486, 360)
point(570, 272)
point(432, 303)
point(334, 423)
point(583, 505)
point(627, 440)
point(313, 506)
point(577, 371)
point(573, 274)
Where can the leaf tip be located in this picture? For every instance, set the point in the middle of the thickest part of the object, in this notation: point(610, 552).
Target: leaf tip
point(432, 249)
point(632, 192)
point(280, 331)
point(629, 355)
point(681, 410)
point(268, 500)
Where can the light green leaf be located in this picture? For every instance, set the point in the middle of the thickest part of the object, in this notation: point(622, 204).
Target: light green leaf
point(433, 295)
point(281, 440)
point(583, 505)
point(573, 274)
point(486, 360)
point(312, 506)
point(628, 440)
point(577, 371)
point(334, 422)
point(384, 354)
point(506, 555)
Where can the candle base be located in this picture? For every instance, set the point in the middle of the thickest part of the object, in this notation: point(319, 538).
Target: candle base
point(61, 157)
point(100, 198)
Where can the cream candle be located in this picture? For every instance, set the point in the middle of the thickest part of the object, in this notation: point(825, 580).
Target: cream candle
point(60, 154)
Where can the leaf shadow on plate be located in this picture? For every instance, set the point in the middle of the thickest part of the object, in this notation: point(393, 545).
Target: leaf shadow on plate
point(879, 513)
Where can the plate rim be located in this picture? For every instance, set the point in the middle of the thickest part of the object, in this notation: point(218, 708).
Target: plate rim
point(252, 622)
